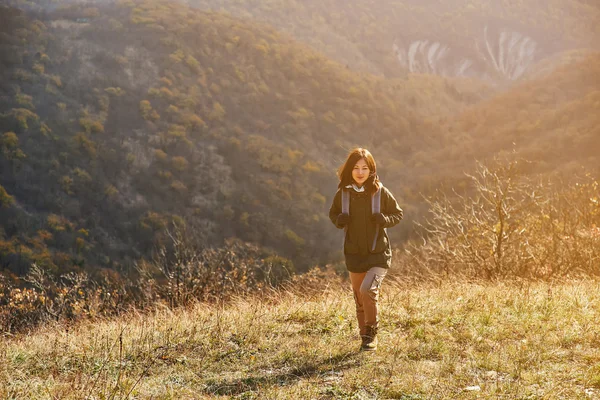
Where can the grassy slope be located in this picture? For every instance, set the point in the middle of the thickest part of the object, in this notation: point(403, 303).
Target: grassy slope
point(536, 340)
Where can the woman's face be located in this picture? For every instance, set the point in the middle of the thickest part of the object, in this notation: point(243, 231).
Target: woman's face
point(360, 172)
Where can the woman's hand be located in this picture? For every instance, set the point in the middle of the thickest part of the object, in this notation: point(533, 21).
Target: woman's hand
point(342, 220)
point(379, 219)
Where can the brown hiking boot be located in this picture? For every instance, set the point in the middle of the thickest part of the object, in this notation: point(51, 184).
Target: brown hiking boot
point(369, 340)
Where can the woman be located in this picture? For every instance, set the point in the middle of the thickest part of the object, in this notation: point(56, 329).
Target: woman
point(364, 208)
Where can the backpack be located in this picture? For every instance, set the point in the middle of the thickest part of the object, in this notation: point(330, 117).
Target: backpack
point(375, 209)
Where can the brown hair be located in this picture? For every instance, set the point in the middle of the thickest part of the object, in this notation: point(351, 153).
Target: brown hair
point(345, 171)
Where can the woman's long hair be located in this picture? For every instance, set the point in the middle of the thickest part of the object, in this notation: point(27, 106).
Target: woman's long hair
point(345, 171)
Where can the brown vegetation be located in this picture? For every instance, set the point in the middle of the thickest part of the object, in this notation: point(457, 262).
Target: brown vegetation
point(443, 341)
point(509, 225)
point(123, 121)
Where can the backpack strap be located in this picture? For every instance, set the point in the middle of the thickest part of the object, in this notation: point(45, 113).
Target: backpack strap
point(345, 202)
point(345, 210)
point(376, 209)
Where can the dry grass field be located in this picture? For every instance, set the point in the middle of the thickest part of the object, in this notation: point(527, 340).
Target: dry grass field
point(448, 340)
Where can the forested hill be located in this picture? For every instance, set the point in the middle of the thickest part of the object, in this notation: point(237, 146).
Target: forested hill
point(119, 119)
point(499, 41)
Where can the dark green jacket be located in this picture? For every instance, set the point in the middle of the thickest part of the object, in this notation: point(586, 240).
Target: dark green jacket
point(361, 230)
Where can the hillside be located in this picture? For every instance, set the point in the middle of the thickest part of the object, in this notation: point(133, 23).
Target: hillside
point(553, 121)
point(121, 122)
point(498, 42)
point(443, 341)
point(118, 120)
point(166, 170)
point(491, 40)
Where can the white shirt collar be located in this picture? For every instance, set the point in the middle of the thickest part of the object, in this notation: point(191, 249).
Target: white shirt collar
point(356, 188)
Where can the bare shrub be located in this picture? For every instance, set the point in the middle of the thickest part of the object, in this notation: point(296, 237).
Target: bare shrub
point(183, 270)
point(509, 225)
point(44, 298)
point(567, 240)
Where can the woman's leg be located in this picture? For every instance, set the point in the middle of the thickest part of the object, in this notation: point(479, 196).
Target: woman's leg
point(365, 286)
point(369, 295)
point(356, 278)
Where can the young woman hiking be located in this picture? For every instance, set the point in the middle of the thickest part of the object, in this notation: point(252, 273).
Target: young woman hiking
point(363, 207)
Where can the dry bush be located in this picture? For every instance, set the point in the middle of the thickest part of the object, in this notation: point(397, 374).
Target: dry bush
point(510, 225)
point(44, 297)
point(181, 273)
point(184, 271)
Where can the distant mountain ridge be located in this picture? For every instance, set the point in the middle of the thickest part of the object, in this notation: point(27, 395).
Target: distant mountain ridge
point(487, 40)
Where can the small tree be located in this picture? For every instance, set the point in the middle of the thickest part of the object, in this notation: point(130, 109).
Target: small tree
point(6, 200)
